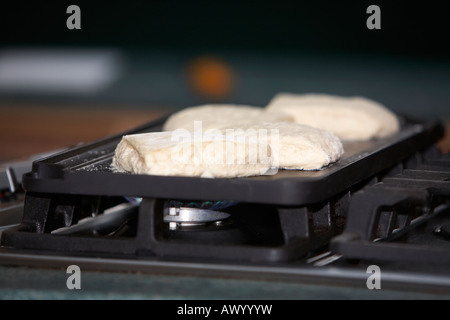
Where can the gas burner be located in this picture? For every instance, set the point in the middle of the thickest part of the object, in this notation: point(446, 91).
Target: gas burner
point(193, 218)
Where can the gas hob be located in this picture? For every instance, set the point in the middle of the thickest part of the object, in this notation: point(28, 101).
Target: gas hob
point(379, 216)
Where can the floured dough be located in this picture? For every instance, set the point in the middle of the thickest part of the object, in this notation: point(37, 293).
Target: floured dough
point(215, 116)
point(180, 153)
point(294, 146)
point(350, 118)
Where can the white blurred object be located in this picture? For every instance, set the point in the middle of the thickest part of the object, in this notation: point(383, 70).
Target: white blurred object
point(79, 71)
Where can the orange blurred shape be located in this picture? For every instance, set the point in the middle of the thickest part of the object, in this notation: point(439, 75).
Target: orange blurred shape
point(210, 77)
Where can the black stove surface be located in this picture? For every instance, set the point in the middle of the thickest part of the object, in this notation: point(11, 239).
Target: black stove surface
point(390, 233)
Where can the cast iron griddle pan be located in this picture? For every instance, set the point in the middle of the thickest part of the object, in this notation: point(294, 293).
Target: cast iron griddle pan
point(85, 170)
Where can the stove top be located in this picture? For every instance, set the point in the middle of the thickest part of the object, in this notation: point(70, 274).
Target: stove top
point(378, 219)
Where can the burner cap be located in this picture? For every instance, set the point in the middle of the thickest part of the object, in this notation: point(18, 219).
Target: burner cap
point(179, 217)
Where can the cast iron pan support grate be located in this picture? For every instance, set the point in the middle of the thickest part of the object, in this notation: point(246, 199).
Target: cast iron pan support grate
point(303, 229)
point(383, 213)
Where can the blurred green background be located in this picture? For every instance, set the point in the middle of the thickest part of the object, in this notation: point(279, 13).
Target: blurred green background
point(253, 49)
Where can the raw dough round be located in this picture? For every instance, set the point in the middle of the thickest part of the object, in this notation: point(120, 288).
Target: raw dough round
point(294, 146)
point(216, 116)
point(350, 118)
point(180, 153)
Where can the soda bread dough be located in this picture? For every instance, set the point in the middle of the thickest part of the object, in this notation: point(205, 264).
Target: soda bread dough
point(236, 130)
point(350, 118)
point(216, 116)
point(255, 149)
point(294, 146)
point(182, 154)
